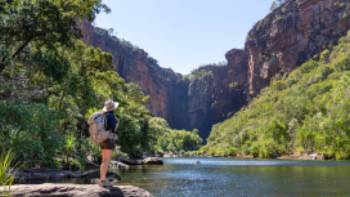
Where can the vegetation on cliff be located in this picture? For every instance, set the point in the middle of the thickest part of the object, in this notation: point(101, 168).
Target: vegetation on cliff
point(50, 82)
point(304, 112)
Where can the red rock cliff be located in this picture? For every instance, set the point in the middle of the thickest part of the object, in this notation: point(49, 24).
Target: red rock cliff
point(215, 92)
point(167, 90)
point(290, 35)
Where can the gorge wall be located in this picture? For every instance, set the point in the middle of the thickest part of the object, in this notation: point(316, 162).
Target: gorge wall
point(291, 34)
point(283, 40)
point(167, 90)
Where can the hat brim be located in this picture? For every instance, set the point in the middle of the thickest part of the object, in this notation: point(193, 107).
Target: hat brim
point(116, 105)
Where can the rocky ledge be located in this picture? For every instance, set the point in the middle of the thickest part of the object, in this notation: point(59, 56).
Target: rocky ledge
point(48, 175)
point(312, 156)
point(74, 190)
point(146, 161)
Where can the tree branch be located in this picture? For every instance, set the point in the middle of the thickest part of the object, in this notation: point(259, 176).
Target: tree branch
point(20, 49)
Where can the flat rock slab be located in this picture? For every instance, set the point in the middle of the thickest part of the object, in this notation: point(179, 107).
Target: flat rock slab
point(47, 175)
point(75, 190)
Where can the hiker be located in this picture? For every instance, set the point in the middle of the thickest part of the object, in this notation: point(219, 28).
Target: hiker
point(109, 144)
point(102, 130)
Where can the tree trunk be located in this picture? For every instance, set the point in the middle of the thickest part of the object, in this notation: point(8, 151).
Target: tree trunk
point(2, 67)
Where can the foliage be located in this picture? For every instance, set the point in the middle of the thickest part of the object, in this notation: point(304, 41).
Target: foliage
point(163, 139)
point(6, 176)
point(51, 82)
point(204, 71)
point(181, 140)
point(306, 112)
point(41, 23)
point(30, 131)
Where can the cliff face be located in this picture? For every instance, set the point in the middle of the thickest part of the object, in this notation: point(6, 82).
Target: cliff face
point(198, 102)
point(216, 92)
point(280, 42)
point(292, 34)
point(134, 65)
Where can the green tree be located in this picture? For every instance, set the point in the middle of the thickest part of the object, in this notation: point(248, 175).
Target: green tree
point(41, 23)
point(51, 82)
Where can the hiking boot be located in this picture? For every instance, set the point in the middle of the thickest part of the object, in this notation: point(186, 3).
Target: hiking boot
point(102, 183)
point(105, 184)
point(112, 181)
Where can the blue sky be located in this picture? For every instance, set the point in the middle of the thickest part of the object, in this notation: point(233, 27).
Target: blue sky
point(184, 34)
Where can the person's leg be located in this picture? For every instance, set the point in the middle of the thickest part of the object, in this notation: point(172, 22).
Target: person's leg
point(106, 158)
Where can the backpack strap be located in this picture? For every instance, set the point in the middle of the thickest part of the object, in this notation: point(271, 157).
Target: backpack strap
point(105, 120)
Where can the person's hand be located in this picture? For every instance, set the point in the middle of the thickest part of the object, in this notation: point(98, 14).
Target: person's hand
point(114, 136)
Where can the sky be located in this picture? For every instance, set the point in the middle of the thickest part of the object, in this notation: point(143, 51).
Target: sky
point(184, 34)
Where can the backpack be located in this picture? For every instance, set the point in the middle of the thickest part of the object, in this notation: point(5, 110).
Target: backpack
point(98, 133)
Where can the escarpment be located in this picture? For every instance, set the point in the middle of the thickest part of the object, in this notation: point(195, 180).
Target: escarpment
point(283, 40)
point(292, 34)
point(163, 86)
point(216, 92)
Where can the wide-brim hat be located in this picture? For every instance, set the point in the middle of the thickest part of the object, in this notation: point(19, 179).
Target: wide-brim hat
point(110, 105)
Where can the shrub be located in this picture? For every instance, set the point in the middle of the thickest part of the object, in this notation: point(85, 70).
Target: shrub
point(6, 176)
point(30, 131)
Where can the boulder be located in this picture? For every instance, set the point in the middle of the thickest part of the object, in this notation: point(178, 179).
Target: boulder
point(119, 165)
point(146, 161)
point(153, 161)
point(312, 156)
point(132, 162)
point(75, 190)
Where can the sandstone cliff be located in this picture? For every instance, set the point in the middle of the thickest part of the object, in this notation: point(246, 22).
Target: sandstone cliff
point(167, 90)
point(216, 92)
point(283, 40)
point(186, 103)
point(290, 35)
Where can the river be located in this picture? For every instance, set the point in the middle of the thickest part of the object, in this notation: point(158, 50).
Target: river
point(221, 177)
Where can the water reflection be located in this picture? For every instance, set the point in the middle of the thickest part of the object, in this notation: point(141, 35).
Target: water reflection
point(227, 177)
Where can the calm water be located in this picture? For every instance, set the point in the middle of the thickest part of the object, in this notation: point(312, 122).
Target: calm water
point(227, 177)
